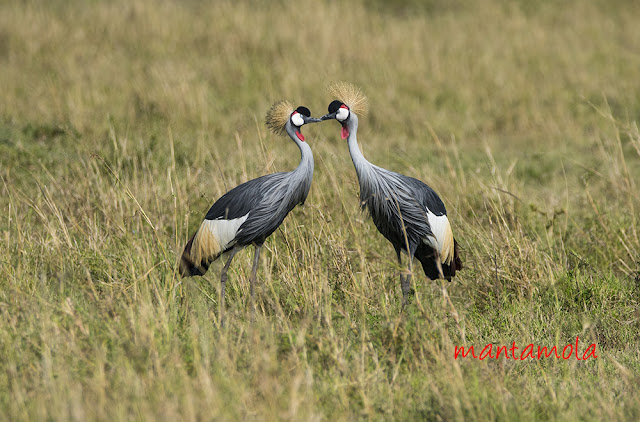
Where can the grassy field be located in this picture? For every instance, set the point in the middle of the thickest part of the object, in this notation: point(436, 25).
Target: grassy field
point(122, 122)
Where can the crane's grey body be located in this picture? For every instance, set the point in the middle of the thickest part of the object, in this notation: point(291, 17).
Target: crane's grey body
point(405, 211)
point(382, 191)
point(251, 212)
point(265, 201)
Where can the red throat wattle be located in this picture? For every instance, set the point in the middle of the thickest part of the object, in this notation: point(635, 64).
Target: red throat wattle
point(344, 133)
point(300, 135)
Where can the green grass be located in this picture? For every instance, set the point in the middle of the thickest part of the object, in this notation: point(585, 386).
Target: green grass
point(122, 122)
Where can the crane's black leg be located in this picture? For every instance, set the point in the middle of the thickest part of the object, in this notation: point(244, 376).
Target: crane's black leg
point(400, 265)
point(405, 284)
point(402, 276)
point(436, 256)
point(223, 282)
point(405, 280)
point(254, 271)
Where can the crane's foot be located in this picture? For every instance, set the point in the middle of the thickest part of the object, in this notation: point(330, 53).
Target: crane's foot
point(438, 264)
point(223, 283)
point(254, 276)
point(407, 291)
point(252, 306)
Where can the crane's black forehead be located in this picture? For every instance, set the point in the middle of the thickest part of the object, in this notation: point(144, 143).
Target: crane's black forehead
point(304, 111)
point(334, 106)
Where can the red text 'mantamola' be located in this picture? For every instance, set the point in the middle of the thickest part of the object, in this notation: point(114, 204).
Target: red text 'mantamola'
point(530, 351)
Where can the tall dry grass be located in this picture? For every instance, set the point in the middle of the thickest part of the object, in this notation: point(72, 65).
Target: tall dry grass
point(122, 122)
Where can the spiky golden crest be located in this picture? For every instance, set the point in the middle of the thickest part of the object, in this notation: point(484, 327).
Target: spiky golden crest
point(350, 95)
point(278, 116)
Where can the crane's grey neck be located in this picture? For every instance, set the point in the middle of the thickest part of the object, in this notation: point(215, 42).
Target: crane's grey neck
point(360, 163)
point(305, 168)
point(299, 180)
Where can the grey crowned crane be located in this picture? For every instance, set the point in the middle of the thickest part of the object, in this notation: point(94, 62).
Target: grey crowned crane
point(250, 212)
point(406, 211)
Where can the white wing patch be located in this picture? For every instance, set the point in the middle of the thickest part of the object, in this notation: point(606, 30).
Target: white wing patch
point(226, 230)
point(214, 236)
point(442, 239)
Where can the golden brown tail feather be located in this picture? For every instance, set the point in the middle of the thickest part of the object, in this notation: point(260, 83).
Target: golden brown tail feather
point(201, 250)
point(187, 266)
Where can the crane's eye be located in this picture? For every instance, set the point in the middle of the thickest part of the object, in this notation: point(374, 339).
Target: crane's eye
point(296, 119)
point(343, 113)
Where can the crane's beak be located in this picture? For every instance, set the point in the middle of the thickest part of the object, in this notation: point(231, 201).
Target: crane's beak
point(329, 116)
point(311, 120)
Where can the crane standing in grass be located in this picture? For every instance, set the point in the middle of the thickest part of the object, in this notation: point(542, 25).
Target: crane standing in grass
point(250, 212)
point(406, 211)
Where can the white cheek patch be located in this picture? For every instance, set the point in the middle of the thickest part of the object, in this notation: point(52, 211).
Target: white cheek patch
point(296, 119)
point(342, 114)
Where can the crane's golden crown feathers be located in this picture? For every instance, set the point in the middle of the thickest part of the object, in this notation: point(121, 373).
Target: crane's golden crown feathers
point(278, 116)
point(350, 95)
